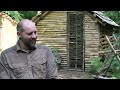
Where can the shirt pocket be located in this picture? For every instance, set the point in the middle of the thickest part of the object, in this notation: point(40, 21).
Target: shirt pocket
point(39, 70)
point(19, 71)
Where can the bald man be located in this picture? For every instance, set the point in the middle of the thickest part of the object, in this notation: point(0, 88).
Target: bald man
point(27, 60)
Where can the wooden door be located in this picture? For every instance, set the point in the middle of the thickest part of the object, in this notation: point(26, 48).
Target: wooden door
point(75, 40)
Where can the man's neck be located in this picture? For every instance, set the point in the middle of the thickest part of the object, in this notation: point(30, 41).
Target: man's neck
point(24, 47)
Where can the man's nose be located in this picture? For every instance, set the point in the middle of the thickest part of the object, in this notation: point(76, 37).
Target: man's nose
point(34, 35)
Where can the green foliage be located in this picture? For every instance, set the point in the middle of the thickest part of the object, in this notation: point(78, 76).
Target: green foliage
point(14, 15)
point(56, 54)
point(115, 68)
point(113, 71)
point(18, 15)
point(95, 65)
point(114, 15)
point(57, 57)
point(28, 14)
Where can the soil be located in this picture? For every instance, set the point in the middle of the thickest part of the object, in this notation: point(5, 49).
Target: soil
point(66, 74)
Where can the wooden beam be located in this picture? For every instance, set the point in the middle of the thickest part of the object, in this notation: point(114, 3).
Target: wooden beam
point(100, 77)
point(112, 48)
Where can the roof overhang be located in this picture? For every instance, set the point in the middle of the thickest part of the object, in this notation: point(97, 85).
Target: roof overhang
point(39, 16)
point(104, 19)
point(97, 14)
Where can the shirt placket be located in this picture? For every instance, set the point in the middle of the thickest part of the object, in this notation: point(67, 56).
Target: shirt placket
point(29, 58)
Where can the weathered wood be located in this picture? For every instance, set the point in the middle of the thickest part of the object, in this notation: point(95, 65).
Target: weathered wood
point(101, 77)
point(104, 52)
point(113, 48)
point(52, 30)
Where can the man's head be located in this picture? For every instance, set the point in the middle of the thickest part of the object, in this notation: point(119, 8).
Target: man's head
point(27, 33)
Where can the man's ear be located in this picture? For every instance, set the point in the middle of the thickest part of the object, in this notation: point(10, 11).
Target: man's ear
point(18, 33)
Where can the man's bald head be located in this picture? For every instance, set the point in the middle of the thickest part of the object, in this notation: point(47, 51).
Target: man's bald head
point(23, 24)
point(27, 33)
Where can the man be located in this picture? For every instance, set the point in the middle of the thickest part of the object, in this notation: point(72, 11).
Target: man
point(27, 60)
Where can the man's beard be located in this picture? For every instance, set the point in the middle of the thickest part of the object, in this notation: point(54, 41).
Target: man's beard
point(30, 44)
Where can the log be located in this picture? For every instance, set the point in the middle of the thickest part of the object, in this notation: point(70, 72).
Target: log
point(103, 52)
point(113, 48)
point(100, 77)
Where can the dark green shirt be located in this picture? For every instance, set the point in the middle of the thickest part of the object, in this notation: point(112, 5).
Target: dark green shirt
point(16, 63)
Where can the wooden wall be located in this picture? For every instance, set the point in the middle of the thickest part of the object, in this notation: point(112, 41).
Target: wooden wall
point(91, 34)
point(52, 32)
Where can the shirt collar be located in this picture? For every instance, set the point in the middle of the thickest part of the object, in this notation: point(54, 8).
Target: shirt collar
point(18, 48)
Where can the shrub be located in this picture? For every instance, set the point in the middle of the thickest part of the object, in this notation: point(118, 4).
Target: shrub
point(115, 68)
point(113, 71)
point(57, 56)
point(95, 65)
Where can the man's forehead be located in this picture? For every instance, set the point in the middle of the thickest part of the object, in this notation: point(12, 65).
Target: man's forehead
point(27, 23)
point(30, 28)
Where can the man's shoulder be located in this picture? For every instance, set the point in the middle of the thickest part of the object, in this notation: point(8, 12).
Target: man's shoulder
point(10, 49)
point(40, 46)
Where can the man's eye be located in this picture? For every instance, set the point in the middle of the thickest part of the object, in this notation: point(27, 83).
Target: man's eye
point(29, 33)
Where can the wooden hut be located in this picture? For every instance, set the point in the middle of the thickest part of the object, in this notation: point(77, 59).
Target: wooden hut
point(8, 36)
point(75, 34)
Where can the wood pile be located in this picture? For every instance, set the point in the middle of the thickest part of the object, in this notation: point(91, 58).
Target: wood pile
point(103, 41)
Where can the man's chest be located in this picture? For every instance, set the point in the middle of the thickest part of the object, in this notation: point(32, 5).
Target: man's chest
point(24, 65)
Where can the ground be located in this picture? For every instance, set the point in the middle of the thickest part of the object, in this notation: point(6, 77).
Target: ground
point(66, 74)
